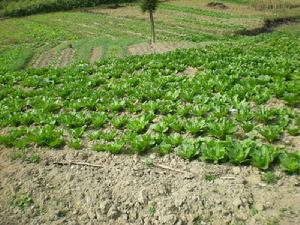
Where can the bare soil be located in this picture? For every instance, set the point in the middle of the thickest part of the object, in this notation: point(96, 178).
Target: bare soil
point(95, 55)
point(217, 5)
point(43, 60)
point(65, 57)
point(126, 189)
point(143, 49)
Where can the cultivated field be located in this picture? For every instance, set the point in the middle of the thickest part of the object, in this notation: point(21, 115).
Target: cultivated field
point(97, 128)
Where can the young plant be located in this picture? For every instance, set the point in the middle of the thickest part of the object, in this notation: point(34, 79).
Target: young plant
point(262, 157)
point(290, 162)
point(75, 144)
point(138, 125)
point(271, 133)
point(48, 136)
point(98, 120)
point(141, 144)
point(115, 148)
point(270, 178)
point(196, 126)
point(165, 148)
point(174, 139)
point(161, 127)
point(222, 128)
point(247, 126)
point(213, 151)
point(189, 149)
point(293, 131)
point(238, 152)
point(119, 122)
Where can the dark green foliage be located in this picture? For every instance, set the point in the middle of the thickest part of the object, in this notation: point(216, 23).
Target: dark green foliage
point(28, 7)
point(149, 5)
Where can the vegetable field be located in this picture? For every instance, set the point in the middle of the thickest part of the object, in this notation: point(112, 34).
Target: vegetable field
point(187, 101)
point(97, 126)
point(40, 40)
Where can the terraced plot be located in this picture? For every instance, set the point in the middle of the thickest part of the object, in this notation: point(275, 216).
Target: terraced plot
point(115, 30)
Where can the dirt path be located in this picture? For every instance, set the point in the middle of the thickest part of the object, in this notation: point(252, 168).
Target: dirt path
point(126, 189)
point(65, 57)
point(96, 54)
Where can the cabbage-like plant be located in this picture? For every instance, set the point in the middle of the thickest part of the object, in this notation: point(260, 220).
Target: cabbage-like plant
point(213, 151)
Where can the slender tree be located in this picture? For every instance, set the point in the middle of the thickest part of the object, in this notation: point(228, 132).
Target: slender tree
point(150, 6)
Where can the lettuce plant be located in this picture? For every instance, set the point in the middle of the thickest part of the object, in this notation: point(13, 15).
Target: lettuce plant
point(138, 125)
point(99, 119)
point(221, 128)
point(196, 126)
point(161, 127)
point(290, 162)
point(165, 148)
point(271, 133)
point(238, 151)
point(75, 144)
point(119, 122)
point(262, 157)
point(213, 151)
point(247, 126)
point(189, 149)
point(174, 139)
point(48, 136)
point(141, 143)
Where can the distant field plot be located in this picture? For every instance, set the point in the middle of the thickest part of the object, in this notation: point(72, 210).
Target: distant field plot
point(114, 30)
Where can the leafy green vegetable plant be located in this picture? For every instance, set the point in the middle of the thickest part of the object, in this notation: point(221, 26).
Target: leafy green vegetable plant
point(290, 162)
point(262, 157)
point(271, 133)
point(213, 151)
point(188, 149)
point(220, 129)
point(238, 151)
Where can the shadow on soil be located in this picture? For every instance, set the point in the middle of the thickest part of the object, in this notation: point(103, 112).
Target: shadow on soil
point(269, 26)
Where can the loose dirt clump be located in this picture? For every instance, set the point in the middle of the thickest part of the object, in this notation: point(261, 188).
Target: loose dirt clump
point(217, 5)
point(65, 57)
point(130, 189)
point(95, 55)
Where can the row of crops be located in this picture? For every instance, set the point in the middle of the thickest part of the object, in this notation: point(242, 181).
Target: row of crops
point(153, 104)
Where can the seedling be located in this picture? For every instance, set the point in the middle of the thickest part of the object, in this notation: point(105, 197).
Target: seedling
point(270, 178)
point(75, 144)
point(22, 200)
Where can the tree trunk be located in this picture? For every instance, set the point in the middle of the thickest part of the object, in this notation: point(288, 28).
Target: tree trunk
point(152, 27)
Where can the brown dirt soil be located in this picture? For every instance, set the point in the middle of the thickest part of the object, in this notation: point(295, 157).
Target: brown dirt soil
point(143, 49)
point(65, 57)
point(126, 190)
point(95, 55)
point(43, 60)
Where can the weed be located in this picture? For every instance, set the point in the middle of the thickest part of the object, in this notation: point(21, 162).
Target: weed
point(22, 200)
point(270, 178)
